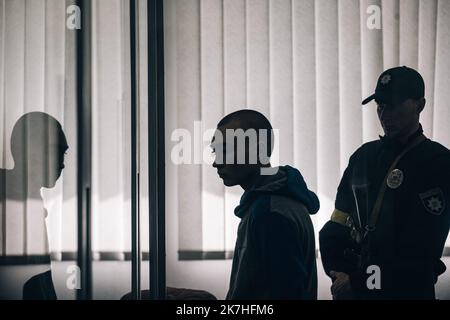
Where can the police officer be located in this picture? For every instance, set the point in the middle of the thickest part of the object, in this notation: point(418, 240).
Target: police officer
point(392, 212)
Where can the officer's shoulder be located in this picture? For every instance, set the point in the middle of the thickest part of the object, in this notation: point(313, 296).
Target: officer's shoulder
point(435, 149)
point(434, 152)
point(368, 147)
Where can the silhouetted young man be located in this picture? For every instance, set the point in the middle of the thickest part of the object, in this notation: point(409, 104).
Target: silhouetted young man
point(392, 213)
point(274, 257)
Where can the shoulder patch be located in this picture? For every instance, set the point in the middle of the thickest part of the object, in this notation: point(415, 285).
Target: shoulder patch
point(433, 201)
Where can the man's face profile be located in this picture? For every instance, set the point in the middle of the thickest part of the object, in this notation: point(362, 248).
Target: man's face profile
point(232, 159)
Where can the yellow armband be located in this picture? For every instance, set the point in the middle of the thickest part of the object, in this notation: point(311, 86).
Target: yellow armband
point(342, 218)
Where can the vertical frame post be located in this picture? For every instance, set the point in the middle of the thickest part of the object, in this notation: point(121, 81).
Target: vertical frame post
point(156, 150)
point(84, 134)
point(135, 212)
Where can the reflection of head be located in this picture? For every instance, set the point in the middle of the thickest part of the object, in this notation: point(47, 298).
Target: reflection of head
point(38, 145)
point(254, 131)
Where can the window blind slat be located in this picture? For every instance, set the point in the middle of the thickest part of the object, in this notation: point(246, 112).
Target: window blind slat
point(235, 94)
point(350, 123)
point(281, 78)
point(390, 25)
point(212, 105)
point(427, 55)
point(304, 90)
point(409, 29)
point(371, 67)
point(188, 109)
point(441, 92)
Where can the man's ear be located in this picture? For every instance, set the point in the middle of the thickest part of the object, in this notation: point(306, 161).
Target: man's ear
point(421, 104)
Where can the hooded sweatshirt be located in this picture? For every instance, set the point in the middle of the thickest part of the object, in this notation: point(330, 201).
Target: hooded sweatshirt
point(275, 254)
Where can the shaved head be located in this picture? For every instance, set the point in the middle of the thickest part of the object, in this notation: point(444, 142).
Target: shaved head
point(242, 146)
point(246, 119)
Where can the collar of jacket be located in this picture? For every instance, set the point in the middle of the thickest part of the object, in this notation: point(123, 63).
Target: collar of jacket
point(396, 145)
point(265, 184)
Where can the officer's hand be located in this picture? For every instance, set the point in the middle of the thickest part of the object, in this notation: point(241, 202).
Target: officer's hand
point(341, 288)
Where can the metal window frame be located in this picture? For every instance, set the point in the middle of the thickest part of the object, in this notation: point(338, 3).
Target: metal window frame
point(84, 148)
point(135, 208)
point(156, 150)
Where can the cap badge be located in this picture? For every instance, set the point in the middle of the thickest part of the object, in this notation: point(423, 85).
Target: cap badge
point(385, 79)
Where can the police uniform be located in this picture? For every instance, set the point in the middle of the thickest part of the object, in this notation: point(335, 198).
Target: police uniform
point(391, 211)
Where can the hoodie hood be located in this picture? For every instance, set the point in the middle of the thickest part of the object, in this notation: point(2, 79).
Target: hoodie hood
point(287, 182)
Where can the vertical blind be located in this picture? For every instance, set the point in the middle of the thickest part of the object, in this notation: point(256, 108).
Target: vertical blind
point(306, 65)
point(111, 203)
point(38, 73)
